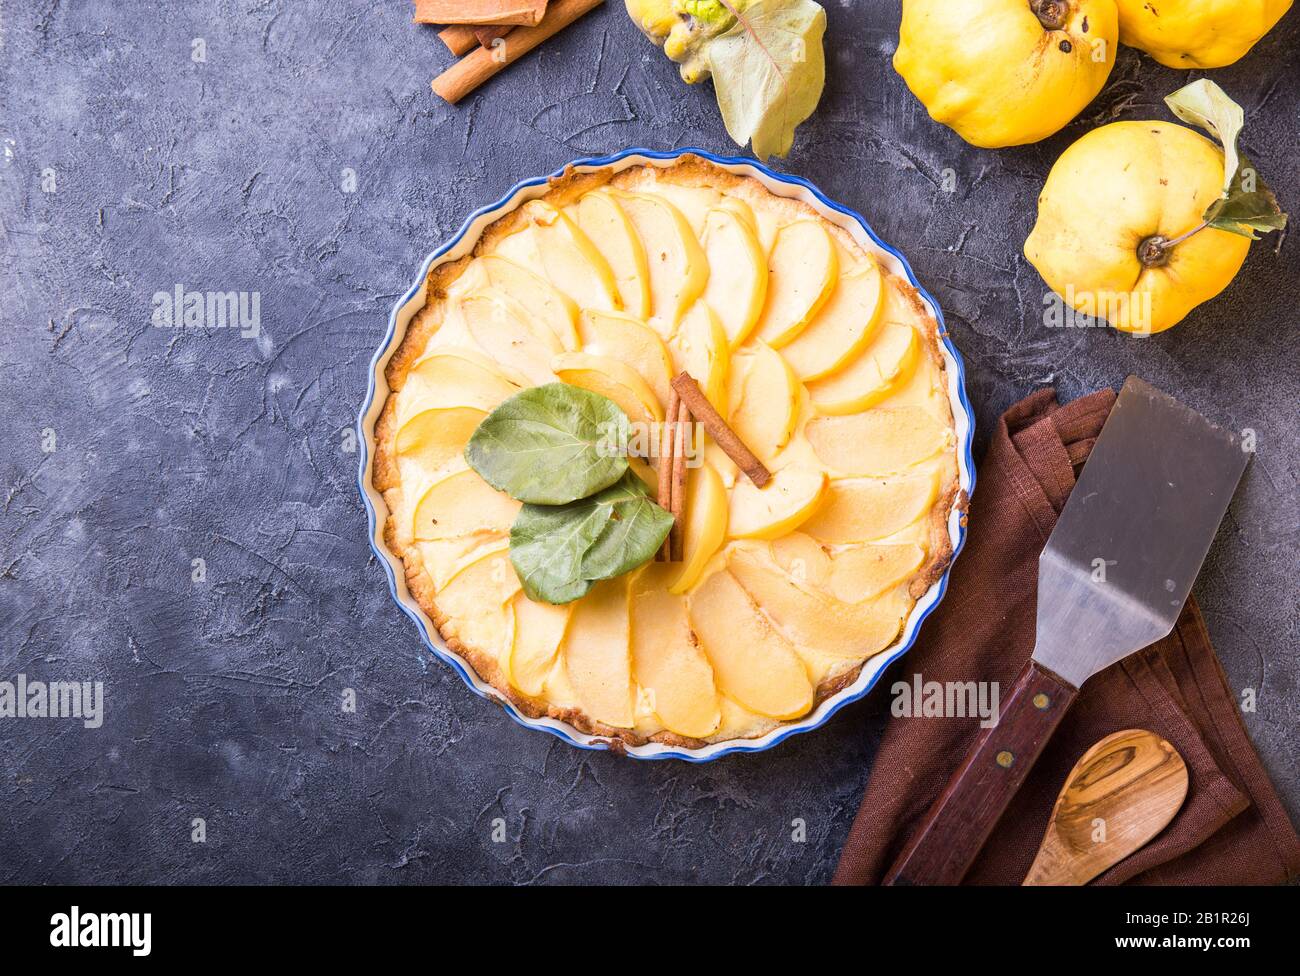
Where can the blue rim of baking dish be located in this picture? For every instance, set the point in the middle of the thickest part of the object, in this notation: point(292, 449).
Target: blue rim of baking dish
point(966, 466)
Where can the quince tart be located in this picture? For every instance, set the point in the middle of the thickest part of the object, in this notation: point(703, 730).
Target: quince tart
point(824, 362)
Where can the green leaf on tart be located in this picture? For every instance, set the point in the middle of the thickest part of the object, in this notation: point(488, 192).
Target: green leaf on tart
point(547, 545)
point(1247, 204)
point(768, 71)
point(549, 445)
point(559, 551)
point(633, 533)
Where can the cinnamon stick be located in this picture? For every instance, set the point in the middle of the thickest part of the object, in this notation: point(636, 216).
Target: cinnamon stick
point(526, 12)
point(665, 493)
point(483, 63)
point(677, 535)
point(486, 35)
point(459, 38)
point(727, 439)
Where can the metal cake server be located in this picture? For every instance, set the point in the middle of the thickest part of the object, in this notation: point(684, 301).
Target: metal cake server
point(1112, 579)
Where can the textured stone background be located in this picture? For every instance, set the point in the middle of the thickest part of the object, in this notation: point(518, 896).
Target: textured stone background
point(224, 695)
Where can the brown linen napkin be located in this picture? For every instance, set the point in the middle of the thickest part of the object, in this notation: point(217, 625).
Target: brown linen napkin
point(1232, 828)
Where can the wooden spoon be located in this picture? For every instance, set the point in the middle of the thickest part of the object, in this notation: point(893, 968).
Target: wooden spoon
point(1120, 794)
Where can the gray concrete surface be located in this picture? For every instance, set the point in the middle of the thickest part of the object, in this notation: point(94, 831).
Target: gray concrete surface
point(130, 166)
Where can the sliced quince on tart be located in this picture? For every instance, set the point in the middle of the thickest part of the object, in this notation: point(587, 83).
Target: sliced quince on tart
point(812, 619)
point(476, 604)
point(786, 502)
point(442, 559)
point(438, 435)
point(802, 271)
point(607, 226)
point(666, 657)
point(700, 348)
point(752, 662)
point(763, 399)
point(613, 379)
point(539, 629)
point(862, 572)
point(803, 558)
point(453, 376)
point(866, 509)
point(571, 261)
point(877, 373)
point(745, 212)
point(737, 288)
point(442, 400)
point(878, 442)
point(534, 293)
point(596, 653)
point(843, 327)
point(706, 525)
point(629, 340)
point(462, 504)
point(518, 341)
point(679, 269)
point(694, 202)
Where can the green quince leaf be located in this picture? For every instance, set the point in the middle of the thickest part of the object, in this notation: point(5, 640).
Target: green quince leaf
point(1205, 104)
point(547, 543)
point(633, 533)
point(769, 70)
point(1247, 204)
point(550, 444)
point(558, 551)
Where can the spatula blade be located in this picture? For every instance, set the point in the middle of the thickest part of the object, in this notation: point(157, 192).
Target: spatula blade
point(1117, 568)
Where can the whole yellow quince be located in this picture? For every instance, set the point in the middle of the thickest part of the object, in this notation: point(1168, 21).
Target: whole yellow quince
point(1110, 219)
point(1006, 72)
point(681, 27)
point(655, 17)
point(1197, 33)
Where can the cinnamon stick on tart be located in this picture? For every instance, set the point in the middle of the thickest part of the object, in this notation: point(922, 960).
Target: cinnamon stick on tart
point(665, 493)
point(677, 536)
point(484, 62)
point(700, 407)
point(687, 402)
point(528, 13)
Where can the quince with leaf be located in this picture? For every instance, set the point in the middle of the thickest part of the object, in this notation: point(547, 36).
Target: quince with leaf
point(1197, 33)
point(1140, 222)
point(1006, 72)
point(765, 58)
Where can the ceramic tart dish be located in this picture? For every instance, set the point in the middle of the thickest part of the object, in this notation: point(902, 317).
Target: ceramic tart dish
point(805, 331)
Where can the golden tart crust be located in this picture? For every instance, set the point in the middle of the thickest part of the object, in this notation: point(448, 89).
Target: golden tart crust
point(690, 180)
